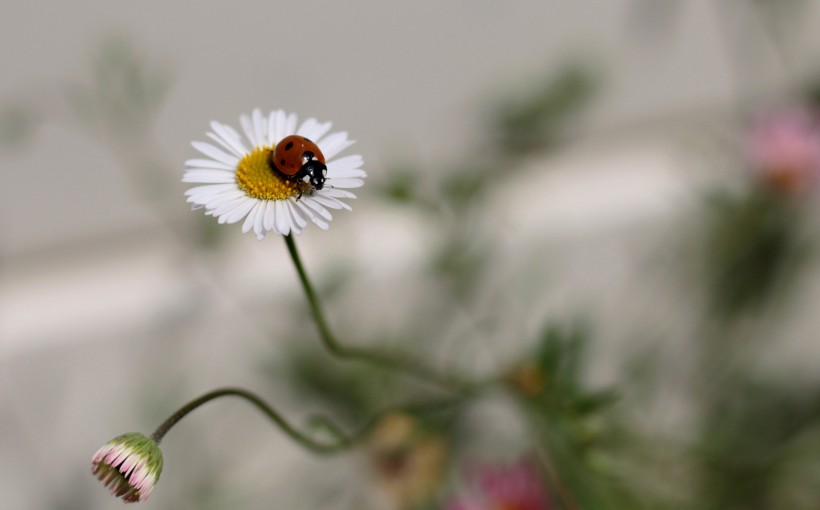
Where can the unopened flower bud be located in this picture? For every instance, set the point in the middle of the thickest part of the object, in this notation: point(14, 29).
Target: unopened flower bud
point(129, 465)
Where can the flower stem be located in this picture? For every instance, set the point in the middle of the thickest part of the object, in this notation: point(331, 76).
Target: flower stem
point(341, 441)
point(384, 359)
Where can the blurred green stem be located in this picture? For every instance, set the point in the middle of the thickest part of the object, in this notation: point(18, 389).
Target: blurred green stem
point(383, 359)
point(341, 441)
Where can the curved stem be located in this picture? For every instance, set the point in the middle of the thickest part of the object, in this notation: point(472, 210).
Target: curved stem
point(342, 441)
point(384, 359)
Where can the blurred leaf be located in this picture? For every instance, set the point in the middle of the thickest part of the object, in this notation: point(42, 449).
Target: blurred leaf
point(746, 439)
point(560, 355)
point(402, 184)
point(540, 117)
point(594, 402)
point(459, 261)
point(459, 189)
point(751, 244)
point(350, 391)
point(124, 95)
point(560, 392)
point(535, 121)
point(17, 123)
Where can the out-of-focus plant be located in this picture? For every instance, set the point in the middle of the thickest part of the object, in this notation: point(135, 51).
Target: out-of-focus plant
point(754, 239)
point(519, 485)
point(402, 407)
point(569, 422)
point(748, 439)
point(757, 245)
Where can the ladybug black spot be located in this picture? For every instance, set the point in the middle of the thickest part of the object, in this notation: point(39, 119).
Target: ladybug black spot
point(282, 162)
point(289, 146)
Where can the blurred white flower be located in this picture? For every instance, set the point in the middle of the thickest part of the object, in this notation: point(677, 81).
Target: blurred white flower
point(242, 181)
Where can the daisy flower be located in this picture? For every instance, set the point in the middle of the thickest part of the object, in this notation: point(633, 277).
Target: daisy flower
point(237, 179)
point(129, 465)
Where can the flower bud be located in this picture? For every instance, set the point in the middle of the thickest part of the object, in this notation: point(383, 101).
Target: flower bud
point(129, 465)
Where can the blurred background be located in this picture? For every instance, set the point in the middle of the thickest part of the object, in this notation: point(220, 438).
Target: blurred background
point(608, 208)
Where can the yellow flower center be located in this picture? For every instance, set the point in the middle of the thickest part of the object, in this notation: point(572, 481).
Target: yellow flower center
point(257, 179)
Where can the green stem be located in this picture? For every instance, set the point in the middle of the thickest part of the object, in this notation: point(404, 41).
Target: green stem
point(341, 442)
point(383, 359)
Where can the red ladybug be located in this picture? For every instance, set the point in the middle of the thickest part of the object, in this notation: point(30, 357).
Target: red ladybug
point(297, 158)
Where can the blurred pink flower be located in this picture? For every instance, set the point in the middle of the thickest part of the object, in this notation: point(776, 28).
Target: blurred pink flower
point(784, 147)
point(508, 487)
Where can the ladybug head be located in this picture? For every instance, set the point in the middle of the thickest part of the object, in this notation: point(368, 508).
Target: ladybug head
point(316, 171)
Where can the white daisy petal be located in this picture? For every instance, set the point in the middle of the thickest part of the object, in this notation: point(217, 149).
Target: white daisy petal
point(334, 144)
point(282, 224)
point(346, 183)
point(272, 138)
point(317, 208)
point(213, 152)
point(357, 173)
point(295, 219)
point(239, 212)
point(319, 131)
point(290, 126)
point(337, 193)
point(298, 220)
point(224, 205)
point(321, 224)
point(230, 136)
point(233, 132)
point(281, 124)
point(260, 127)
point(270, 215)
point(223, 217)
point(329, 202)
point(259, 220)
point(307, 128)
point(247, 127)
point(210, 189)
point(208, 176)
point(312, 130)
point(221, 206)
point(216, 196)
point(208, 163)
point(222, 143)
point(347, 163)
point(311, 215)
point(301, 207)
point(249, 220)
point(212, 201)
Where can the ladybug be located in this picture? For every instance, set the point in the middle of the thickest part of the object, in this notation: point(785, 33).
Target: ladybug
point(297, 158)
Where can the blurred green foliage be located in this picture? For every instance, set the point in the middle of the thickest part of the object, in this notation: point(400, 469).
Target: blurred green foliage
point(17, 123)
point(747, 440)
point(753, 245)
point(125, 92)
point(749, 432)
point(538, 119)
point(570, 421)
